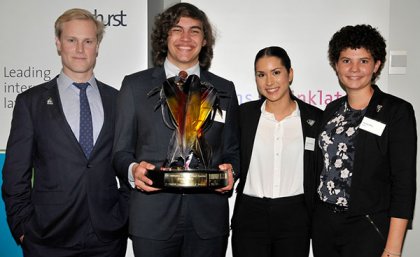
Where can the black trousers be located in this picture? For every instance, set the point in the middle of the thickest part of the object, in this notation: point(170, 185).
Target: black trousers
point(183, 243)
point(90, 246)
point(340, 235)
point(271, 227)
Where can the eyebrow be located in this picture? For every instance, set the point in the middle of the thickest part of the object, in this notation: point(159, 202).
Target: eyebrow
point(192, 27)
point(276, 68)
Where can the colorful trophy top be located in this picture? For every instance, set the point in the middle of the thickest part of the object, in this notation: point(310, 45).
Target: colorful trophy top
point(188, 107)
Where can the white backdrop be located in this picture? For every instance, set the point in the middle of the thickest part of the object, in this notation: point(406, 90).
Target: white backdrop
point(303, 28)
point(28, 52)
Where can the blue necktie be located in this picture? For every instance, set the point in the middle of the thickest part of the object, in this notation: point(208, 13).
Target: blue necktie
point(86, 128)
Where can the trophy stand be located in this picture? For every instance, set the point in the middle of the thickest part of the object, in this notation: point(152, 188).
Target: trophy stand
point(188, 178)
point(188, 107)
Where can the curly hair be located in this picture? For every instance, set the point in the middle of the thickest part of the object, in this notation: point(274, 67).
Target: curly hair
point(169, 18)
point(355, 37)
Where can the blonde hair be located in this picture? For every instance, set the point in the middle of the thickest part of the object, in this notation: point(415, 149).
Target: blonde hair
point(79, 14)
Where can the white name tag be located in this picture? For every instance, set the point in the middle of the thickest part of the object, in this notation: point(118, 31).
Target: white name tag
point(372, 126)
point(310, 143)
point(220, 117)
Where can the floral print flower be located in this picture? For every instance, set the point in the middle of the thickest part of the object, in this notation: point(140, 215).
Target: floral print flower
point(342, 147)
point(337, 142)
point(350, 131)
point(337, 119)
point(338, 163)
point(330, 186)
point(341, 201)
point(345, 173)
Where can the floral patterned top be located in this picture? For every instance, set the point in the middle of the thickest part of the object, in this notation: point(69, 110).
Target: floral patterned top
point(337, 143)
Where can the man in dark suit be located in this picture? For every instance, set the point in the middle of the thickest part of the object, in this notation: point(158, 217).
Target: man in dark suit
point(175, 223)
point(59, 186)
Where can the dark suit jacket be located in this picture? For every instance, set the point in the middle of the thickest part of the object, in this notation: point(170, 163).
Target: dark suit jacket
point(141, 135)
point(69, 191)
point(384, 171)
point(249, 114)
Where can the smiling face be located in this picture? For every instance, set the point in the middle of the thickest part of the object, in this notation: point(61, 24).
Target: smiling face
point(355, 68)
point(78, 47)
point(185, 41)
point(273, 78)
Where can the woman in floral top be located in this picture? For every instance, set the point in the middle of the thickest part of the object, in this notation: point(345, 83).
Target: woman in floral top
point(367, 143)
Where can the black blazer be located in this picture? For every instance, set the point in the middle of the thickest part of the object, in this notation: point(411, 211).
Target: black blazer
point(141, 135)
point(384, 171)
point(68, 191)
point(249, 115)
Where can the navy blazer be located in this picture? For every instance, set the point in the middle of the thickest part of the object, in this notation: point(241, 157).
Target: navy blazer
point(141, 135)
point(249, 115)
point(384, 171)
point(68, 190)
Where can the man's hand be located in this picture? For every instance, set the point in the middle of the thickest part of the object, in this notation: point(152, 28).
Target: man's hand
point(142, 182)
point(228, 168)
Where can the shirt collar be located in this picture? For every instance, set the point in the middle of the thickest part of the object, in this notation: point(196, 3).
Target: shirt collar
point(172, 70)
point(295, 113)
point(65, 82)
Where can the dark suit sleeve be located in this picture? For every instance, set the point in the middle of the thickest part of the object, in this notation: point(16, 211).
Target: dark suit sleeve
point(125, 131)
point(403, 154)
point(231, 132)
point(17, 170)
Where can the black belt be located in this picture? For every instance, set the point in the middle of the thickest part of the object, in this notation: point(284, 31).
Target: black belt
point(333, 207)
point(275, 201)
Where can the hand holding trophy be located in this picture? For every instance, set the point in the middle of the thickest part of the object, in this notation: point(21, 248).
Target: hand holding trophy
point(188, 107)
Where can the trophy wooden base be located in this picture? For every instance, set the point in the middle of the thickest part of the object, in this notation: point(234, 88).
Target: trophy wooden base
point(203, 178)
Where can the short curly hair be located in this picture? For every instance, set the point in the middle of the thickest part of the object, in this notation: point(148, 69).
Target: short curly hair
point(355, 37)
point(169, 18)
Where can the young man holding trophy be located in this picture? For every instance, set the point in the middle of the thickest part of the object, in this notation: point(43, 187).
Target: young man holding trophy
point(177, 142)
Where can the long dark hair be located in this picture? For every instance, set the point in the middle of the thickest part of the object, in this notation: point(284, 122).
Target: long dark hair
point(169, 18)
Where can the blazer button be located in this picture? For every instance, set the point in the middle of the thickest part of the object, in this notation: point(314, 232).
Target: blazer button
point(89, 166)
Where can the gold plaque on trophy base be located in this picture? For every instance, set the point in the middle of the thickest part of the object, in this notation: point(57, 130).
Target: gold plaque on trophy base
point(188, 178)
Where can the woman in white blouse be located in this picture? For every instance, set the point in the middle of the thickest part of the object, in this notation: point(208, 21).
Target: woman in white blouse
point(277, 179)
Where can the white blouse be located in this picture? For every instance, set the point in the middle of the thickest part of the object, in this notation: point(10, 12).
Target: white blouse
point(276, 166)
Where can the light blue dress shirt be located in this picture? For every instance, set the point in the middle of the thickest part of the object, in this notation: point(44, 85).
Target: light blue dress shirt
point(69, 96)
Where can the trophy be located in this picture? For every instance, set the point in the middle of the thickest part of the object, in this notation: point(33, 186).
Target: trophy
point(188, 108)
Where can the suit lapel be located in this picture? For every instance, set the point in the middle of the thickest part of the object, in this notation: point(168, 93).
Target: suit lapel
point(249, 124)
point(158, 76)
point(372, 112)
point(330, 110)
point(51, 98)
point(108, 124)
point(203, 76)
point(375, 104)
point(306, 121)
point(309, 131)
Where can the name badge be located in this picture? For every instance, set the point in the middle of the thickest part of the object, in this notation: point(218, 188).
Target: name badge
point(372, 126)
point(310, 143)
point(220, 117)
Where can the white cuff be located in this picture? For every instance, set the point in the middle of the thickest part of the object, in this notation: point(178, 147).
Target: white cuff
point(130, 175)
